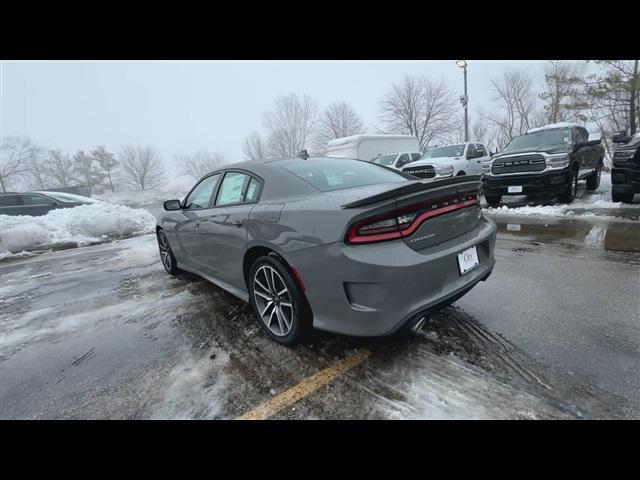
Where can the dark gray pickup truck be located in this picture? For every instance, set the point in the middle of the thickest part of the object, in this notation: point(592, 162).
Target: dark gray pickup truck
point(38, 203)
point(545, 161)
point(625, 174)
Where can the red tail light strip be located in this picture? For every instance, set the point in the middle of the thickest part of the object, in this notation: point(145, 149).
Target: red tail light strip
point(353, 236)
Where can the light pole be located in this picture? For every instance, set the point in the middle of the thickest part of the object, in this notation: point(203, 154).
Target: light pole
point(464, 100)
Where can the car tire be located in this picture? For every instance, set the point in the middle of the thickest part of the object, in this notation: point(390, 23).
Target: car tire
point(572, 189)
point(493, 200)
point(593, 181)
point(621, 197)
point(290, 304)
point(460, 173)
point(166, 254)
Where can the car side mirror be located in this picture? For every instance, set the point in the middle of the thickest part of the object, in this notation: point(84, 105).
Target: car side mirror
point(620, 137)
point(172, 205)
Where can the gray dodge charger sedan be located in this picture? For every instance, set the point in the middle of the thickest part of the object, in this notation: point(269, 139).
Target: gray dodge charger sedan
point(336, 244)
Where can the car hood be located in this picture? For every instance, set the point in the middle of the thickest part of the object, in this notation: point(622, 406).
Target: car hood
point(552, 150)
point(421, 163)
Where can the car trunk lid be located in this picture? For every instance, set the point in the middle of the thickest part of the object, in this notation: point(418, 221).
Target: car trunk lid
point(426, 213)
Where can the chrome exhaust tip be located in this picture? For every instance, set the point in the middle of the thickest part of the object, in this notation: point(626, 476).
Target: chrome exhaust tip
point(418, 326)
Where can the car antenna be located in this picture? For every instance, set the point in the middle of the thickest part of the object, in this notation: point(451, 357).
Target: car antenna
point(303, 154)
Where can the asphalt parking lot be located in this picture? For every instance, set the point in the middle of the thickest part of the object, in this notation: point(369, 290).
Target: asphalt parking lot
point(104, 332)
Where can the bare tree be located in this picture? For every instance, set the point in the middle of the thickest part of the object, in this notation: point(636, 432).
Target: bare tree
point(16, 155)
point(254, 147)
point(37, 174)
point(107, 163)
point(86, 170)
point(480, 130)
point(517, 106)
point(200, 163)
point(59, 168)
point(563, 92)
point(615, 94)
point(338, 120)
point(419, 106)
point(141, 167)
point(289, 125)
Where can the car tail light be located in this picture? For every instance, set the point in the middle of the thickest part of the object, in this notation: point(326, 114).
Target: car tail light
point(405, 221)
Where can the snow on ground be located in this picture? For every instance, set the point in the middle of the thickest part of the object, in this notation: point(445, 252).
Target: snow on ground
point(83, 225)
point(451, 389)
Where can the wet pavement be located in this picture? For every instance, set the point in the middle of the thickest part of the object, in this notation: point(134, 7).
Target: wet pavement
point(104, 332)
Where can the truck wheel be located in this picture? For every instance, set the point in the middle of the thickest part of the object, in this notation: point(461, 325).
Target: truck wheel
point(572, 189)
point(593, 181)
point(621, 197)
point(493, 200)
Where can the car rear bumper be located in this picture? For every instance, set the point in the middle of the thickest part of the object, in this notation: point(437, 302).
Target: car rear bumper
point(551, 183)
point(625, 180)
point(375, 289)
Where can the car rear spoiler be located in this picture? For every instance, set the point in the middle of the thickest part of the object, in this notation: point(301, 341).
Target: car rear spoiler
point(464, 182)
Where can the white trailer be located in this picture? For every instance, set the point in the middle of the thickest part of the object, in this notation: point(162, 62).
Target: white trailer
point(368, 147)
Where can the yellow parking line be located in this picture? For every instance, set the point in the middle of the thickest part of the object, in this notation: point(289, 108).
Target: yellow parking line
point(305, 387)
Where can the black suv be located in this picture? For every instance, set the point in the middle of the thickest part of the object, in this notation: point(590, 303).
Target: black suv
point(625, 174)
point(545, 161)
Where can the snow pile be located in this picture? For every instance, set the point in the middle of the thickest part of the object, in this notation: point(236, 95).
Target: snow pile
point(83, 225)
point(531, 210)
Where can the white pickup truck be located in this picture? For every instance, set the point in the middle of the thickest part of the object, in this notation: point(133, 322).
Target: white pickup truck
point(467, 158)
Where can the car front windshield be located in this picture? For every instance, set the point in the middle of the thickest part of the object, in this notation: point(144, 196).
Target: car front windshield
point(445, 151)
point(541, 140)
point(384, 160)
point(328, 174)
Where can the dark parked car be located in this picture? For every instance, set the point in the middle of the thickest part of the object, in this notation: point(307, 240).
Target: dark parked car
point(341, 245)
point(38, 203)
point(545, 161)
point(625, 174)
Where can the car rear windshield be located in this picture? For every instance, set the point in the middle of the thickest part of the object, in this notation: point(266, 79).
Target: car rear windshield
point(70, 197)
point(328, 174)
point(541, 140)
point(385, 159)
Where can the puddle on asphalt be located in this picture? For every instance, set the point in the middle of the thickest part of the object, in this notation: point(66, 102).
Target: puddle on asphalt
point(587, 233)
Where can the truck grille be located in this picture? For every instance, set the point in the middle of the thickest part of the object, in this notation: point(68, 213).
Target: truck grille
point(524, 163)
point(424, 171)
point(622, 158)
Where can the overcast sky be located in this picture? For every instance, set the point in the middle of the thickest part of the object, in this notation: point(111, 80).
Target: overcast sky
point(180, 107)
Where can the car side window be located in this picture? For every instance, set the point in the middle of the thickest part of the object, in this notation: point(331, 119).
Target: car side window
point(581, 136)
point(9, 201)
point(36, 200)
point(471, 150)
point(403, 160)
point(252, 191)
point(481, 149)
point(233, 188)
point(415, 156)
point(200, 196)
